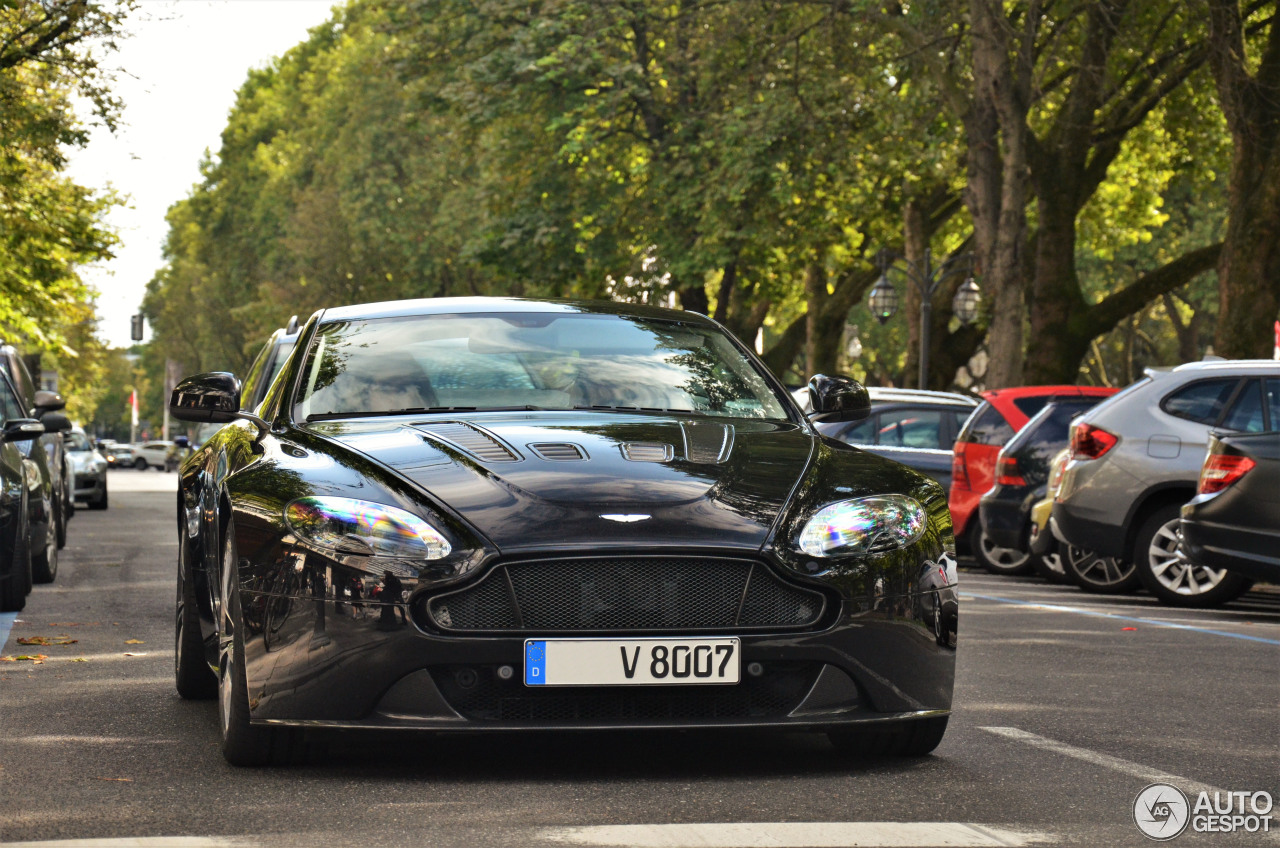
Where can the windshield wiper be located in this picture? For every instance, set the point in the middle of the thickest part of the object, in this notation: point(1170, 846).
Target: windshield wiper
point(648, 410)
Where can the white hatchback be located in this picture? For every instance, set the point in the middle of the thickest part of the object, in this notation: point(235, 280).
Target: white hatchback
point(152, 455)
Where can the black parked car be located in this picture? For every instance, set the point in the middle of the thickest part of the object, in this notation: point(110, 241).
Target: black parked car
point(916, 428)
point(20, 484)
point(51, 511)
point(504, 514)
point(1022, 477)
point(1233, 522)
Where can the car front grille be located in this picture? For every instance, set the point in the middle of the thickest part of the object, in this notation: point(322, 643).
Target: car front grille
point(479, 694)
point(645, 594)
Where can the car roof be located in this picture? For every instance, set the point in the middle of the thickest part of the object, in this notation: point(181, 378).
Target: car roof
point(1214, 366)
point(482, 305)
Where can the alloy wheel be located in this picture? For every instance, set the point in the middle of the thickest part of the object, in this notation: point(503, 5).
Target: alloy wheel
point(1177, 574)
point(1099, 574)
point(999, 559)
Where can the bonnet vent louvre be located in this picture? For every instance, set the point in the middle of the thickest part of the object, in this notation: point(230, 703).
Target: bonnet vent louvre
point(647, 452)
point(558, 451)
point(479, 443)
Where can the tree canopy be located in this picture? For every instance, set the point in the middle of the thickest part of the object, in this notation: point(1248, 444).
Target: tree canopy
point(749, 160)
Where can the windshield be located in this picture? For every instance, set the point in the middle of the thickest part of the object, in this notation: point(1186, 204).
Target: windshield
point(529, 361)
point(77, 442)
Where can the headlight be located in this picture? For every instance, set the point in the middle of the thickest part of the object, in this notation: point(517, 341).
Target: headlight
point(348, 526)
point(864, 526)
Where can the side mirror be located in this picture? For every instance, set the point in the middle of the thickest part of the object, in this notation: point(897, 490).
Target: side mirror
point(182, 441)
point(49, 401)
point(207, 397)
point(838, 398)
point(55, 422)
point(22, 430)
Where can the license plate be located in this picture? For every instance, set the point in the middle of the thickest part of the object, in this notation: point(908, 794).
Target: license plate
point(631, 662)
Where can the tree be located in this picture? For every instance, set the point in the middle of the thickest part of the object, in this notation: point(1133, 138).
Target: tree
point(1249, 94)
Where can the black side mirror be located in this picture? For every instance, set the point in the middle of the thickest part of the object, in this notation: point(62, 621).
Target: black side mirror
point(55, 422)
point(22, 430)
point(182, 441)
point(838, 398)
point(49, 401)
point(207, 397)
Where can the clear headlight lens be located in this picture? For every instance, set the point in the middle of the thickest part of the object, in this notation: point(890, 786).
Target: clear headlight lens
point(349, 526)
point(864, 526)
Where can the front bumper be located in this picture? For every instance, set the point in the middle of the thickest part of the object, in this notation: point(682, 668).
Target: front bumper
point(90, 485)
point(1251, 552)
point(314, 660)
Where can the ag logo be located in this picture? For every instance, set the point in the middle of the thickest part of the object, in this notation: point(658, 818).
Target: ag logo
point(1161, 811)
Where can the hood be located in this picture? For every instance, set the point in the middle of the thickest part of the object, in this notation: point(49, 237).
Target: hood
point(584, 479)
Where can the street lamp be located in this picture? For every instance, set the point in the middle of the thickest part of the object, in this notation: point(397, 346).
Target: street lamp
point(927, 279)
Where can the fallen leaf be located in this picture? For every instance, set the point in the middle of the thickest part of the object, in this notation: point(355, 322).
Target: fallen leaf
point(79, 659)
point(135, 655)
point(134, 642)
point(36, 659)
point(46, 640)
point(116, 779)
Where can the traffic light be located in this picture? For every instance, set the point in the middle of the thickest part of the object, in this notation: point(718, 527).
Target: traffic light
point(135, 327)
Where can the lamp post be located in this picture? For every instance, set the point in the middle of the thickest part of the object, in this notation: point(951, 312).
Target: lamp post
point(927, 279)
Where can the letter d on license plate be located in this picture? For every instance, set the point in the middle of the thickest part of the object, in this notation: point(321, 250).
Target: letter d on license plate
point(631, 662)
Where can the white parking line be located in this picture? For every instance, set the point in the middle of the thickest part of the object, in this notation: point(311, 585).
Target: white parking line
point(787, 834)
point(141, 842)
point(1150, 775)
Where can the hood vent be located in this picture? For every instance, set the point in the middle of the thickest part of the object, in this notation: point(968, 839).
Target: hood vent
point(558, 451)
point(648, 452)
point(481, 444)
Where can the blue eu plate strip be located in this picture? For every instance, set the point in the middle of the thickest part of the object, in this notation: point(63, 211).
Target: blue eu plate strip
point(535, 663)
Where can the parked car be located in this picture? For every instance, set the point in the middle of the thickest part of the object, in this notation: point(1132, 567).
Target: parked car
point(500, 514)
point(89, 470)
point(916, 428)
point(1136, 459)
point(267, 364)
point(152, 455)
point(1059, 561)
point(1233, 522)
point(1022, 477)
point(52, 510)
point(21, 483)
point(1001, 414)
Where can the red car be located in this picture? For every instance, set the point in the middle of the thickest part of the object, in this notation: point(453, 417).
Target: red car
point(1002, 414)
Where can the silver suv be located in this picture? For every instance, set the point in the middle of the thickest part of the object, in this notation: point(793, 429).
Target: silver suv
point(1135, 459)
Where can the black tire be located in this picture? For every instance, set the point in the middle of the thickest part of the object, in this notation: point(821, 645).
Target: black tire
point(140, 463)
point(100, 503)
point(1043, 566)
point(1169, 576)
point(911, 738)
point(194, 678)
point(1098, 575)
point(44, 566)
point(61, 516)
point(995, 559)
point(13, 594)
point(245, 744)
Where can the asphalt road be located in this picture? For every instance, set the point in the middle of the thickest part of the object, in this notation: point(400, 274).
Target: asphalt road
point(1066, 706)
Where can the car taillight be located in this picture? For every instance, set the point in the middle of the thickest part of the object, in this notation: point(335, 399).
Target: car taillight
point(959, 470)
point(1089, 442)
point(1221, 470)
point(1007, 472)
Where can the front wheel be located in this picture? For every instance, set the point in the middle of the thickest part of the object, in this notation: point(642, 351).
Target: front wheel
point(191, 672)
point(1171, 577)
point(140, 463)
point(909, 738)
point(100, 502)
point(243, 743)
point(13, 595)
point(998, 560)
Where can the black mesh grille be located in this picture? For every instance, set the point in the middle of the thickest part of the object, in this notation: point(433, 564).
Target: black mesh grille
point(636, 594)
point(479, 443)
point(477, 693)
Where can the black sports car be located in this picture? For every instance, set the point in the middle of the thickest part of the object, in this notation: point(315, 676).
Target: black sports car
point(501, 514)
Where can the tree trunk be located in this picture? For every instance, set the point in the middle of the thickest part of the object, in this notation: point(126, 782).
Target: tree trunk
point(1249, 268)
